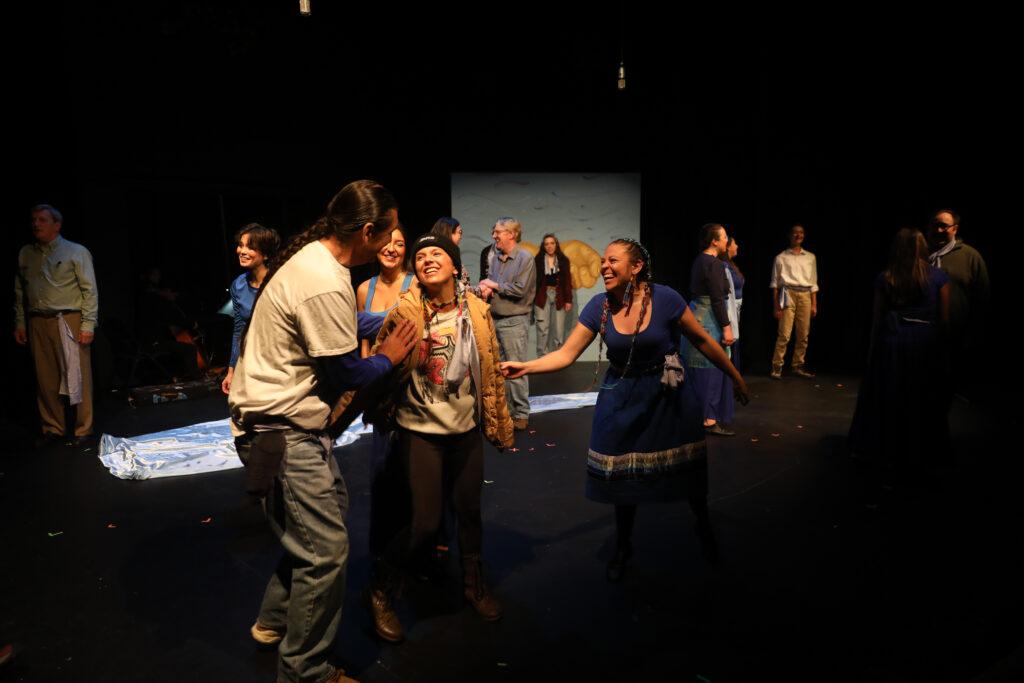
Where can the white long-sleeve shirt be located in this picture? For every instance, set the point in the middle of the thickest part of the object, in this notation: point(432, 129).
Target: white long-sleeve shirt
point(795, 270)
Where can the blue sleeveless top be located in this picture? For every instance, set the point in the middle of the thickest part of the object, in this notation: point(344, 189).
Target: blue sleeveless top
point(373, 286)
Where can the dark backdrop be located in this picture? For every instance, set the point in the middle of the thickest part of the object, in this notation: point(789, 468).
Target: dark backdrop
point(161, 127)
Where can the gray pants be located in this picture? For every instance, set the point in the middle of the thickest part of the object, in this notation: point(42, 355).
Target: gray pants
point(513, 333)
point(306, 508)
point(550, 324)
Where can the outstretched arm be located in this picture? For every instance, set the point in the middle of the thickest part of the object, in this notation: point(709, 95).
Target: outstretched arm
point(577, 342)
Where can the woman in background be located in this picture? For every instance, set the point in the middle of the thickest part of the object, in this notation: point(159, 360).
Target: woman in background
point(378, 295)
point(256, 247)
point(554, 295)
point(446, 226)
point(709, 289)
point(735, 302)
point(901, 421)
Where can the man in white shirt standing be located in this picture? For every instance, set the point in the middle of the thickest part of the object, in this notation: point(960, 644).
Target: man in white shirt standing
point(795, 296)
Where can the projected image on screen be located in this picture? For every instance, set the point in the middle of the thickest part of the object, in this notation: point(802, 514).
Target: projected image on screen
point(584, 211)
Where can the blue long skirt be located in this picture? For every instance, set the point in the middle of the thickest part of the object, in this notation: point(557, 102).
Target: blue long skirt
point(714, 387)
point(902, 407)
point(647, 443)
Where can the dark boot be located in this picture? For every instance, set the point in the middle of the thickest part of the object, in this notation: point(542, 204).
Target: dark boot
point(383, 590)
point(617, 563)
point(476, 590)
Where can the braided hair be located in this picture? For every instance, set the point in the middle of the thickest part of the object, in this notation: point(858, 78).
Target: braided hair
point(358, 203)
point(637, 253)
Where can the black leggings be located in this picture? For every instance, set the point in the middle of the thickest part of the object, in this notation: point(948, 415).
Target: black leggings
point(625, 515)
point(436, 464)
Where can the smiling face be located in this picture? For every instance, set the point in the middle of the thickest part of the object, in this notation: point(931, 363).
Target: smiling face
point(944, 228)
point(550, 246)
point(504, 239)
point(617, 269)
point(393, 253)
point(435, 270)
point(248, 258)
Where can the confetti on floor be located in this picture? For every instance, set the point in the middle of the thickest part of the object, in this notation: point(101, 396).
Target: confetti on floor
point(840, 386)
point(206, 520)
point(550, 445)
point(776, 435)
point(488, 481)
point(799, 426)
point(532, 450)
point(513, 450)
point(111, 525)
point(532, 431)
point(53, 534)
point(754, 439)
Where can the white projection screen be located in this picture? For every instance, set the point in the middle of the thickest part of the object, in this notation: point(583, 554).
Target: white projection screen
point(585, 211)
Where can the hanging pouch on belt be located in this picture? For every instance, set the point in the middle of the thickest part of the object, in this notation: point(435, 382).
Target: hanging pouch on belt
point(266, 452)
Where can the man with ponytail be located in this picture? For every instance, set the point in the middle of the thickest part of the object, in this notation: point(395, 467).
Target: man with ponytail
point(298, 354)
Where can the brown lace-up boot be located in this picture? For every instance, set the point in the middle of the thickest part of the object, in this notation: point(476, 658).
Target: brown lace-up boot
point(383, 590)
point(476, 590)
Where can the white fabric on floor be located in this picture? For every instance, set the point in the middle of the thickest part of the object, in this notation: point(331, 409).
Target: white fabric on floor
point(209, 447)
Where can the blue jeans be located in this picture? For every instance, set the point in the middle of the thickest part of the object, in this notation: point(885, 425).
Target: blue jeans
point(306, 508)
point(513, 333)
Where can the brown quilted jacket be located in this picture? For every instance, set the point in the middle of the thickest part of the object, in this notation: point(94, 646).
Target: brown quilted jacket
point(377, 402)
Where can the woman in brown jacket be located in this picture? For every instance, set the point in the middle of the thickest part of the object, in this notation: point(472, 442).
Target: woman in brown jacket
point(446, 393)
point(554, 295)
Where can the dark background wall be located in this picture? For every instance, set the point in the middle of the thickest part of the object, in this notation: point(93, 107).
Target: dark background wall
point(160, 127)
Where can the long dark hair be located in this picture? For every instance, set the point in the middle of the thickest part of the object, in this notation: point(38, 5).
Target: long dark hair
point(906, 275)
point(728, 259)
point(262, 239)
point(558, 246)
point(445, 226)
point(358, 203)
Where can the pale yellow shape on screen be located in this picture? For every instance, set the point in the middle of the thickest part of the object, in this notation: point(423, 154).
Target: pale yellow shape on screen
point(584, 262)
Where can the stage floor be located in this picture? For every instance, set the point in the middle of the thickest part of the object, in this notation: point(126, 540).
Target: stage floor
point(159, 580)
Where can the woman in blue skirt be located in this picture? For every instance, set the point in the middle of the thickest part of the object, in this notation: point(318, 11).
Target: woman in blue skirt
point(901, 423)
point(709, 301)
point(647, 442)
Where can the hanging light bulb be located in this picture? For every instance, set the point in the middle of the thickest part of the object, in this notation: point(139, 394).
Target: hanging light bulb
point(304, 9)
point(622, 75)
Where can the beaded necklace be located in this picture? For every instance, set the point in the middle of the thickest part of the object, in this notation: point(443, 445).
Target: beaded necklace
point(645, 299)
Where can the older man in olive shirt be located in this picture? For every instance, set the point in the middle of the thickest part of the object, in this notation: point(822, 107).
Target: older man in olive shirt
point(55, 311)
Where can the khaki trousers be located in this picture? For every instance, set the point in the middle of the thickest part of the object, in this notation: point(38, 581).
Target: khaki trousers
point(47, 353)
point(797, 310)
